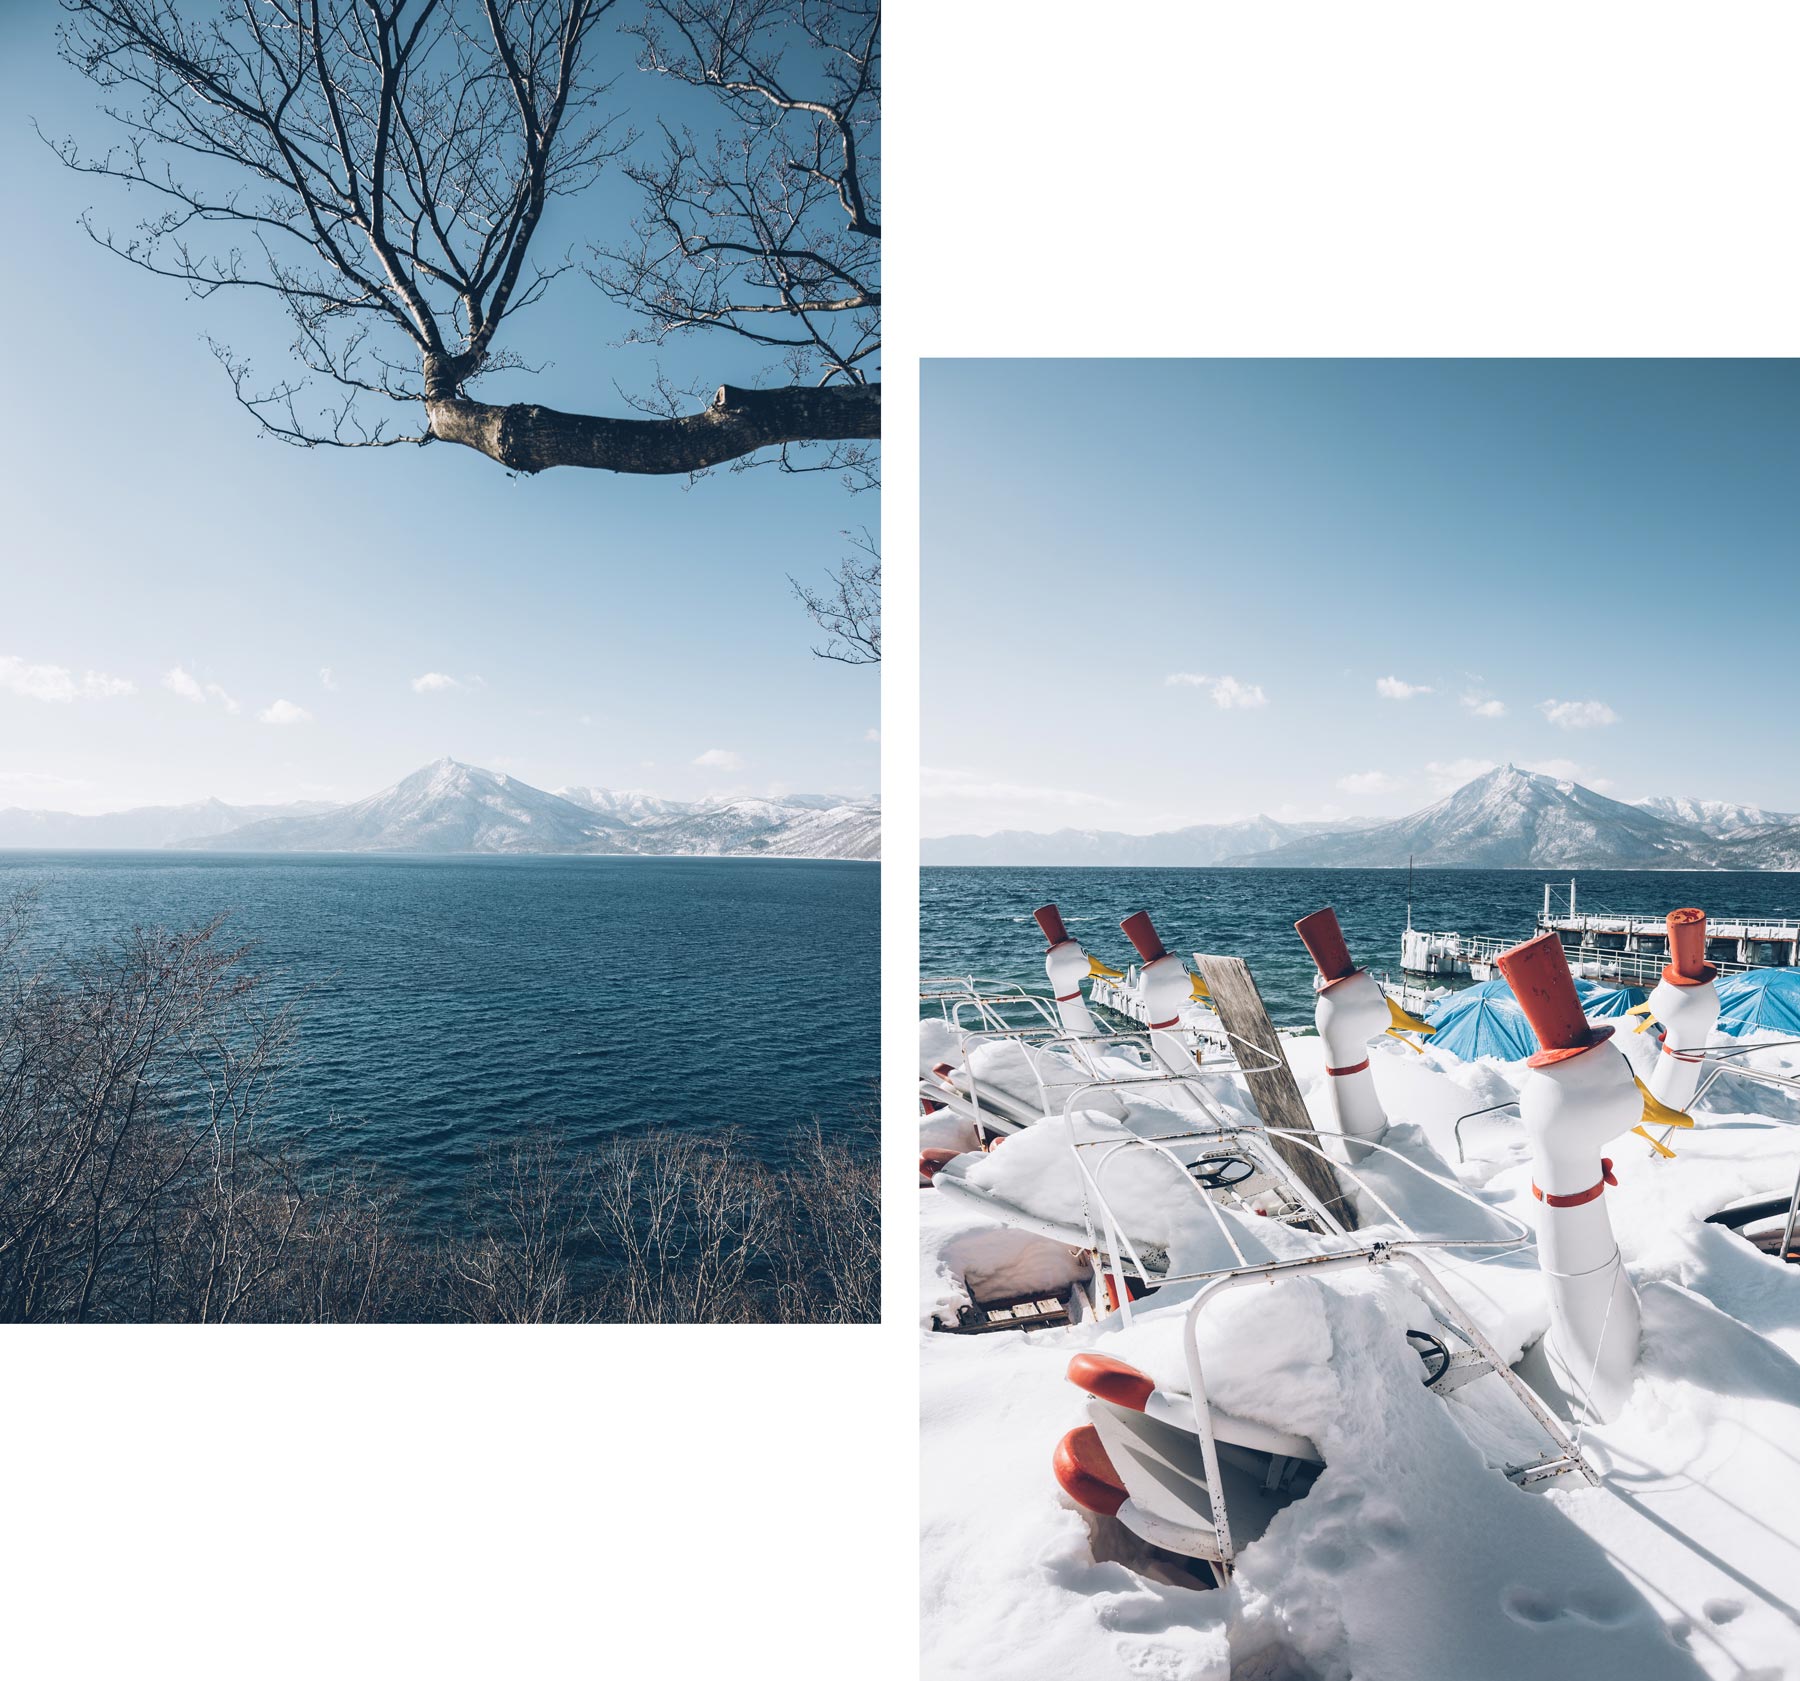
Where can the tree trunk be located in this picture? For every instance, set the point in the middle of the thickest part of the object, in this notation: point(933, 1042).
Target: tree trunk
point(528, 437)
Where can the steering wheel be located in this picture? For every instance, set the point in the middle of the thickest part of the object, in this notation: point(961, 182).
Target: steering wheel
point(1432, 1352)
point(1218, 1173)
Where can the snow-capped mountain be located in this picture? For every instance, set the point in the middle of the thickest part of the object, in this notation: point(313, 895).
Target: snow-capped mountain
point(446, 807)
point(627, 806)
point(144, 828)
point(1200, 843)
point(1512, 819)
point(1776, 847)
point(783, 828)
point(452, 807)
point(1717, 817)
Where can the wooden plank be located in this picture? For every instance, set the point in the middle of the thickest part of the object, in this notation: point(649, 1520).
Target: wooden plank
point(1240, 1008)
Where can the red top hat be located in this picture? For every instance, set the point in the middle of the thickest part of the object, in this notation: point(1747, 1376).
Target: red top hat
point(1140, 933)
point(1687, 964)
point(1538, 974)
point(1049, 918)
point(1324, 940)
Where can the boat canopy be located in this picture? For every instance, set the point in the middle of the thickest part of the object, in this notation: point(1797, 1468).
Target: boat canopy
point(1766, 998)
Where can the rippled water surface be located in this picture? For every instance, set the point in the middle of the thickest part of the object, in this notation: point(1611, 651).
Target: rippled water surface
point(978, 921)
point(454, 1001)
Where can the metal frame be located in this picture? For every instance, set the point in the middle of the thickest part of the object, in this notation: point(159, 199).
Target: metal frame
point(1220, 1131)
point(1568, 1456)
point(1720, 1058)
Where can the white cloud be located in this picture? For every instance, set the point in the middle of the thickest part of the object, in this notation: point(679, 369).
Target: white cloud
point(58, 683)
point(1449, 775)
point(1397, 688)
point(38, 783)
point(720, 758)
point(1370, 782)
point(326, 680)
point(189, 687)
point(1564, 770)
point(1227, 692)
point(284, 712)
point(968, 786)
point(1289, 812)
point(1577, 714)
point(433, 682)
point(1483, 707)
point(872, 735)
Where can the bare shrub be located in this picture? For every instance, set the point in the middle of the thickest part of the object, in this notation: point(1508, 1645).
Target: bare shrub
point(144, 1176)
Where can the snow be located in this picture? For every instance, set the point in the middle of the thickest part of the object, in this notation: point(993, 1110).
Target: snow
point(1412, 1556)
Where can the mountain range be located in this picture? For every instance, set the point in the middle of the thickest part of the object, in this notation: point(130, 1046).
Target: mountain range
point(1506, 819)
point(450, 807)
point(1199, 843)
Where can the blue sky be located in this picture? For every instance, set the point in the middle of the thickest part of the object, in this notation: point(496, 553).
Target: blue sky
point(598, 629)
point(1166, 592)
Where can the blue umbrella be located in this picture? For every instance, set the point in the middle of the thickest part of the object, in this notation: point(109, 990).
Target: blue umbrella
point(1599, 1000)
point(1763, 998)
point(1486, 1020)
point(1482, 1020)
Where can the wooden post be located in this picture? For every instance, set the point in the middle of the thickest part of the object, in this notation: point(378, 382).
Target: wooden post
point(1240, 1008)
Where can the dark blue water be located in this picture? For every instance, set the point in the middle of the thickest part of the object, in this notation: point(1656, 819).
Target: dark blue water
point(452, 1002)
point(979, 920)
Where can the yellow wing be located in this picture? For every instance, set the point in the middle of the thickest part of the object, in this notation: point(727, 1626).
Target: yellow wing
point(1656, 1112)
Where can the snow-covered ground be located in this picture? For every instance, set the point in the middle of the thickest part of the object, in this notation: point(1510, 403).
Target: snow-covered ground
point(1412, 1556)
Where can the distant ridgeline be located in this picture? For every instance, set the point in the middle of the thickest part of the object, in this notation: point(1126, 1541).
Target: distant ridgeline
point(1507, 819)
point(452, 807)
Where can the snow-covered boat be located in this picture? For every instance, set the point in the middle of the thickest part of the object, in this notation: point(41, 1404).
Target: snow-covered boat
point(1325, 1385)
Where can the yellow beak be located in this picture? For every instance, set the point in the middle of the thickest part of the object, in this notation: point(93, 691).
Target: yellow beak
point(1643, 1010)
point(1199, 989)
point(1405, 1021)
point(1096, 967)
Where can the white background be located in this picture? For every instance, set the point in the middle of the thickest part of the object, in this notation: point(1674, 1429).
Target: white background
point(1060, 179)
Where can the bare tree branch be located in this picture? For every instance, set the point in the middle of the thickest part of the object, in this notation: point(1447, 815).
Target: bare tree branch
point(850, 611)
point(382, 167)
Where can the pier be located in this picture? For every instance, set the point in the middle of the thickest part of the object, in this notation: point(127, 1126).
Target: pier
point(1604, 945)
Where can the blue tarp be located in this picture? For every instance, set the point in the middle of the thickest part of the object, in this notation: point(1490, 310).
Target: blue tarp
point(1485, 1019)
point(1763, 998)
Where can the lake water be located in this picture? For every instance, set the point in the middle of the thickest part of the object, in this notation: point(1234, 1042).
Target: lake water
point(978, 921)
point(457, 1001)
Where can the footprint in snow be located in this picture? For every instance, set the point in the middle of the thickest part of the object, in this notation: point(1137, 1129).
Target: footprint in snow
point(1529, 1605)
point(1722, 1611)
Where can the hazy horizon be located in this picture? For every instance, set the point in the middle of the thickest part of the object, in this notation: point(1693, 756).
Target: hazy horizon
point(552, 787)
point(1371, 821)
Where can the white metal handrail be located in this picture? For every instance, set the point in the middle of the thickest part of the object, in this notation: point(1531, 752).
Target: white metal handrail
point(1567, 1457)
